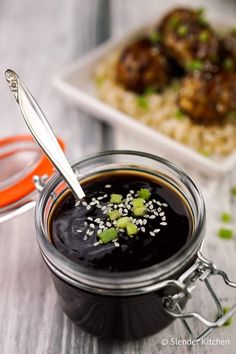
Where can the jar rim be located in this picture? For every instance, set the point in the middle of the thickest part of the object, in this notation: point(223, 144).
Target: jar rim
point(128, 282)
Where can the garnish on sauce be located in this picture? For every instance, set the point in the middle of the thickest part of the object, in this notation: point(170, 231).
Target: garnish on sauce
point(225, 233)
point(230, 320)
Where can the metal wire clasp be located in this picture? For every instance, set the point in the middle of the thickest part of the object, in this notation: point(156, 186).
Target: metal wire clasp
point(201, 270)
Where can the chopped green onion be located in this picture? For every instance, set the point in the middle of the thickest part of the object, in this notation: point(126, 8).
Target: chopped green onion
point(155, 37)
point(108, 235)
point(149, 91)
point(179, 114)
point(138, 202)
point(174, 21)
point(114, 214)
point(231, 116)
point(139, 211)
point(225, 233)
point(228, 64)
point(144, 193)
point(182, 30)
point(122, 222)
point(201, 16)
point(230, 319)
point(204, 152)
point(226, 217)
point(233, 191)
point(116, 198)
point(143, 101)
point(99, 81)
point(131, 229)
point(194, 65)
point(204, 36)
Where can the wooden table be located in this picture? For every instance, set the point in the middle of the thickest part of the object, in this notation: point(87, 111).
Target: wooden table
point(37, 39)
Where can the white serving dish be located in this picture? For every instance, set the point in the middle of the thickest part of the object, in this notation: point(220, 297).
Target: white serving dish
point(76, 84)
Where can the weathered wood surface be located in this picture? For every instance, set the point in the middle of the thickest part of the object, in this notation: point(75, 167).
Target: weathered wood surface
point(37, 39)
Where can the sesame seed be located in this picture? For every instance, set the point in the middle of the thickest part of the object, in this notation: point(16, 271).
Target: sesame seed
point(87, 232)
point(85, 203)
point(151, 207)
point(152, 233)
point(131, 191)
point(158, 203)
point(157, 230)
point(99, 206)
point(126, 211)
point(92, 203)
point(140, 222)
point(143, 229)
point(85, 223)
point(85, 237)
point(116, 244)
point(77, 203)
point(120, 210)
point(78, 230)
point(162, 213)
point(88, 207)
point(104, 207)
point(122, 230)
point(163, 218)
point(152, 217)
point(156, 213)
point(159, 210)
point(115, 222)
point(101, 226)
point(144, 222)
point(163, 223)
point(164, 205)
point(115, 206)
point(100, 198)
point(105, 196)
point(128, 207)
point(120, 205)
point(90, 218)
point(96, 243)
point(108, 224)
point(92, 226)
point(97, 220)
point(90, 233)
point(108, 186)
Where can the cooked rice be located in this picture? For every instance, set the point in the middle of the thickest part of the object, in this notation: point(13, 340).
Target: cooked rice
point(161, 113)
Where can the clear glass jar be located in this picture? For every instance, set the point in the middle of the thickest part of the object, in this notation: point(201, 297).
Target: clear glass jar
point(127, 305)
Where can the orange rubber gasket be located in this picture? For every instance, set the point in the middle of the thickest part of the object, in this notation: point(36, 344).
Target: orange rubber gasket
point(26, 185)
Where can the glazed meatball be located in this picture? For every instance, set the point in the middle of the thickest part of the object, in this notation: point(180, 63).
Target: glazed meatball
point(143, 65)
point(208, 101)
point(186, 37)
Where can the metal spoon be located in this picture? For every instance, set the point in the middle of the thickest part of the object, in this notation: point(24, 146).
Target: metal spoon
point(42, 132)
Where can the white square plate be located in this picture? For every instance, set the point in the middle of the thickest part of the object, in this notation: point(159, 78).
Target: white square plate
point(76, 83)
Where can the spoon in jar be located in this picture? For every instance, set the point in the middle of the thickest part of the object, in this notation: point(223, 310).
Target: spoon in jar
point(42, 132)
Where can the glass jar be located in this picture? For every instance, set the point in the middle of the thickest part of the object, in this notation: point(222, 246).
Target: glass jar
point(129, 305)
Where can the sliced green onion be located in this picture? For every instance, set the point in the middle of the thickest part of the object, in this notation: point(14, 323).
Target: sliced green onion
point(228, 64)
point(204, 36)
point(114, 214)
point(139, 211)
point(144, 193)
point(116, 198)
point(138, 202)
point(174, 21)
point(131, 229)
point(108, 235)
point(194, 65)
point(179, 114)
point(230, 319)
point(143, 101)
point(99, 81)
point(226, 217)
point(155, 37)
point(122, 222)
point(182, 30)
point(233, 191)
point(225, 233)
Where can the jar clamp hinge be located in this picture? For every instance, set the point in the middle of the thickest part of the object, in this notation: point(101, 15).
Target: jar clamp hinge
point(201, 270)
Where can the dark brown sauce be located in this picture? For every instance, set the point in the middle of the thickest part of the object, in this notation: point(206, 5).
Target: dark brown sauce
point(73, 229)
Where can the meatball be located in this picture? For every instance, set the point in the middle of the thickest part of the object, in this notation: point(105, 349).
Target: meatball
point(143, 65)
point(208, 101)
point(187, 37)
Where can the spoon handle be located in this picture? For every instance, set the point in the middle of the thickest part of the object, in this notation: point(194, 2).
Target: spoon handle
point(42, 132)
